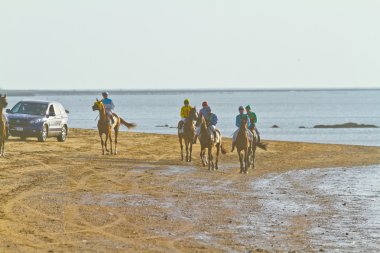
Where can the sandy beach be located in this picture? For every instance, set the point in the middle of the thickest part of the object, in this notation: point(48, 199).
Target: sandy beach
point(67, 197)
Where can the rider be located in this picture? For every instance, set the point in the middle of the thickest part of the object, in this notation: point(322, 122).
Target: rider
point(239, 119)
point(108, 105)
point(253, 120)
point(205, 111)
point(212, 120)
point(185, 111)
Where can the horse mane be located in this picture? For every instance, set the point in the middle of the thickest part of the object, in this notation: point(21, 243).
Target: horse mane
point(102, 109)
point(203, 123)
point(242, 131)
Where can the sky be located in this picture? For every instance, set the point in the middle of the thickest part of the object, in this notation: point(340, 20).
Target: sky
point(193, 44)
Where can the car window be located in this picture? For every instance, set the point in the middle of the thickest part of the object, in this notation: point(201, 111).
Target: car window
point(51, 110)
point(29, 108)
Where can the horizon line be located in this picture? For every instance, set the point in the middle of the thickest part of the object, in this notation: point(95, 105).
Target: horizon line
point(189, 90)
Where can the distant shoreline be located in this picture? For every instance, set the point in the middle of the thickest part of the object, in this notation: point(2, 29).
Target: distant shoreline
point(37, 92)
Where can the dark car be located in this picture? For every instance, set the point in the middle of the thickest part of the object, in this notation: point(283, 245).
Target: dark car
point(39, 119)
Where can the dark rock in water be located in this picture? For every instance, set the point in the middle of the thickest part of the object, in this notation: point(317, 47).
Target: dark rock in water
point(166, 125)
point(347, 125)
point(275, 126)
point(301, 127)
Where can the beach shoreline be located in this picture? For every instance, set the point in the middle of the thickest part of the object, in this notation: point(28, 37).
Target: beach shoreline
point(68, 197)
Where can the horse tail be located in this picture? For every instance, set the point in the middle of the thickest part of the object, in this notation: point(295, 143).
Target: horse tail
point(262, 145)
point(127, 124)
point(224, 151)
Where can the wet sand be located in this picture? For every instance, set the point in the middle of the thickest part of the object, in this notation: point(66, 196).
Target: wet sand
point(67, 197)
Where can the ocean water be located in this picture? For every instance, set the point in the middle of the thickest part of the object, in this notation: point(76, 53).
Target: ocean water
point(287, 109)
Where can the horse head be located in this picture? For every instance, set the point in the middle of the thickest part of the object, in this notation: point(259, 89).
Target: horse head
point(98, 105)
point(3, 101)
point(203, 122)
point(244, 124)
point(193, 115)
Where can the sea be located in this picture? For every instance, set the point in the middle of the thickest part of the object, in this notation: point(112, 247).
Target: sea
point(295, 112)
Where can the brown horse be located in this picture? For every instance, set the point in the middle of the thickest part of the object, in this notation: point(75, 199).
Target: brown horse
point(242, 143)
point(105, 126)
point(3, 124)
point(206, 141)
point(255, 144)
point(188, 134)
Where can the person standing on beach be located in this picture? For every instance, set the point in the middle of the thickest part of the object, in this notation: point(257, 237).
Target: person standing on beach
point(185, 111)
point(253, 120)
point(238, 121)
point(108, 105)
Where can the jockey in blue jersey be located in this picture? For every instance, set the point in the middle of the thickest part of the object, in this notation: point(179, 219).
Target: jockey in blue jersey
point(108, 105)
point(238, 121)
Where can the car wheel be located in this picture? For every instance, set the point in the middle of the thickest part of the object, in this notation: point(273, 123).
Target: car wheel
point(23, 138)
point(63, 135)
point(43, 134)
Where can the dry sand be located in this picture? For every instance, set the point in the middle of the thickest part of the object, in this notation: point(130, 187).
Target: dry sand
point(67, 197)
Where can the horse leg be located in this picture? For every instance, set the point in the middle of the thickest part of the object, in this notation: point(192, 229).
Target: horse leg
point(218, 147)
point(1, 147)
point(212, 161)
point(106, 141)
point(246, 160)
point(116, 134)
point(180, 143)
point(241, 161)
point(102, 142)
point(191, 150)
point(209, 158)
point(110, 137)
point(187, 149)
point(253, 156)
point(203, 157)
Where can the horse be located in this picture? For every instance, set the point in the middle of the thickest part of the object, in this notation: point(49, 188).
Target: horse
point(242, 143)
point(207, 141)
point(105, 126)
point(3, 124)
point(255, 144)
point(188, 134)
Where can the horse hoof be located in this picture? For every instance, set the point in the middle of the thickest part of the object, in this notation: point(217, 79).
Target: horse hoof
point(246, 172)
point(241, 171)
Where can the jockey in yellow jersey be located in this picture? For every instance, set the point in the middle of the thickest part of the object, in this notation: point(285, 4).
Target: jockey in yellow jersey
point(185, 111)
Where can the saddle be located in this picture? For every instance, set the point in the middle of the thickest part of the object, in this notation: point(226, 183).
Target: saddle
point(215, 136)
point(113, 121)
